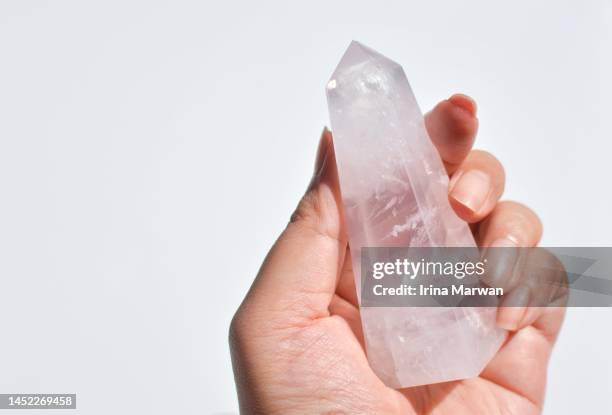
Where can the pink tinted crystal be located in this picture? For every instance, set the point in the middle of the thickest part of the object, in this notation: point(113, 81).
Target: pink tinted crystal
point(394, 193)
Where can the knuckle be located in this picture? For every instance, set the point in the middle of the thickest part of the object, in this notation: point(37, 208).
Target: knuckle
point(515, 215)
point(237, 328)
point(309, 209)
point(487, 161)
point(521, 212)
point(318, 212)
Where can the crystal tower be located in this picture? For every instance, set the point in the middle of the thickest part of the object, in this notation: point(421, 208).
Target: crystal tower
point(394, 194)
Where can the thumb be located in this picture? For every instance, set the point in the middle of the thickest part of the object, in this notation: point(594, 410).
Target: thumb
point(298, 278)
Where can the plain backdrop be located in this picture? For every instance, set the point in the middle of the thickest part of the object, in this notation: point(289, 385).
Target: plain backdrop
point(151, 152)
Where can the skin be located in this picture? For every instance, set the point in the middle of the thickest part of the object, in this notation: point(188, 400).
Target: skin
point(296, 341)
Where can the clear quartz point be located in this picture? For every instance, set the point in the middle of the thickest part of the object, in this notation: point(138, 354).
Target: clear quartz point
point(394, 194)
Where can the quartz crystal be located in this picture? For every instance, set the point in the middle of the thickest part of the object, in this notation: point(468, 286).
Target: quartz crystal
point(394, 194)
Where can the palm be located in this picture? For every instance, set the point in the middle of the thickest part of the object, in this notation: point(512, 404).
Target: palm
point(513, 382)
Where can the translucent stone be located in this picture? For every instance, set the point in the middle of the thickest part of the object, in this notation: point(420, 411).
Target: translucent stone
point(394, 193)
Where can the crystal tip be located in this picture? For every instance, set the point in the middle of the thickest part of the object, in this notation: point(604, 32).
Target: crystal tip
point(357, 53)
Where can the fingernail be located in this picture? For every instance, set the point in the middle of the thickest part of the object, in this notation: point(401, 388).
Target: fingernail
point(505, 242)
point(321, 151)
point(465, 103)
point(471, 189)
point(500, 262)
point(513, 308)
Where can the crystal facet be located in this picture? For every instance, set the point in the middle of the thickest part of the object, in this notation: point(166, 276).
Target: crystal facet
point(394, 193)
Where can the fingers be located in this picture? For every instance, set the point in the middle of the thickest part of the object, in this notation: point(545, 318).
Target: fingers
point(534, 329)
point(452, 127)
point(476, 186)
point(513, 225)
point(478, 178)
point(298, 277)
point(537, 283)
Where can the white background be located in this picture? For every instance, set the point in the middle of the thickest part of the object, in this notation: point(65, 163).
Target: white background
point(150, 152)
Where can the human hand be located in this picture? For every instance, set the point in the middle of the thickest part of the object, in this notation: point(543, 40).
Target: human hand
point(296, 340)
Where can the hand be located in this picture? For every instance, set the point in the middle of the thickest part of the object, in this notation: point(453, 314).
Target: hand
point(296, 340)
